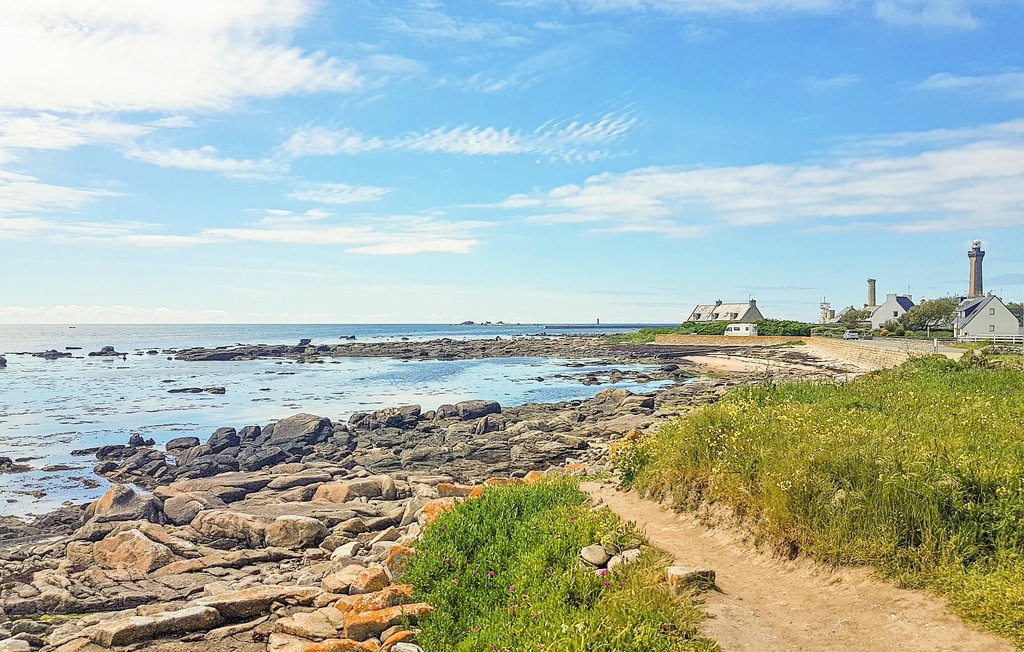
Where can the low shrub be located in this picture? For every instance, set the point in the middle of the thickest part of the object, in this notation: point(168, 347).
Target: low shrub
point(503, 572)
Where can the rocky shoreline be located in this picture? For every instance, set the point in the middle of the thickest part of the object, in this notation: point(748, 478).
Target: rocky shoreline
point(292, 535)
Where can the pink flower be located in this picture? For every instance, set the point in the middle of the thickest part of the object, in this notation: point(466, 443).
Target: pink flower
point(606, 583)
point(474, 572)
point(476, 629)
point(491, 573)
point(512, 587)
point(533, 615)
point(558, 536)
point(446, 560)
point(457, 581)
point(512, 608)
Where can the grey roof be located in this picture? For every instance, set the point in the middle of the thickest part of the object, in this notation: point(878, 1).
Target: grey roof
point(723, 310)
point(969, 308)
point(904, 302)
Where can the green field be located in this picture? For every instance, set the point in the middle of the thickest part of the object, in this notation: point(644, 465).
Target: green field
point(918, 471)
point(503, 573)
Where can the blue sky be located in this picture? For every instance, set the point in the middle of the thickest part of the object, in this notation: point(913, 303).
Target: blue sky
point(517, 160)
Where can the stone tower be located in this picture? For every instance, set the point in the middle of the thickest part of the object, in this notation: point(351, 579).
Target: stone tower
point(827, 314)
point(977, 285)
point(871, 294)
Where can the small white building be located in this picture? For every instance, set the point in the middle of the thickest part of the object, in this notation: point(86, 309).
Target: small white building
point(894, 307)
point(728, 312)
point(741, 330)
point(985, 317)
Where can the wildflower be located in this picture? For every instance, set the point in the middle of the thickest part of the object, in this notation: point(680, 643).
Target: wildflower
point(540, 645)
point(442, 528)
point(606, 583)
point(533, 615)
point(512, 587)
point(476, 629)
point(455, 581)
point(447, 560)
point(491, 573)
point(512, 608)
point(558, 536)
point(474, 572)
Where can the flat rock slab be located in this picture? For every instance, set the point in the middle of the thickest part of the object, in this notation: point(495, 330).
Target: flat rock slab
point(256, 601)
point(137, 628)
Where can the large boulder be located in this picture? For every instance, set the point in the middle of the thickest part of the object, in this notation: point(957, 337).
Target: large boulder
point(121, 503)
point(3, 362)
point(342, 492)
point(476, 409)
point(223, 438)
point(179, 444)
point(181, 509)
point(260, 458)
point(224, 523)
point(131, 550)
point(399, 417)
point(300, 430)
point(295, 532)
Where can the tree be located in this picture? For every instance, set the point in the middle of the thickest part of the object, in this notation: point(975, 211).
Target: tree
point(851, 317)
point(938, 313)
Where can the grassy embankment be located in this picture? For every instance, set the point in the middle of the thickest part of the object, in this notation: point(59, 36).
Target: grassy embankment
point(764, 327)
point(503, 573)
point(918, 471)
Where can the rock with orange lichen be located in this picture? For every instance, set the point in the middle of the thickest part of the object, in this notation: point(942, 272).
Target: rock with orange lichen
point(502, 482)
point(341, 581)
point(478, 492)
point(398, 637)
point(390, 596)
point(434, 508)
point(448, 490)
point(361, 626)
point(342, 645)
point(533, 477)
point(369, 580)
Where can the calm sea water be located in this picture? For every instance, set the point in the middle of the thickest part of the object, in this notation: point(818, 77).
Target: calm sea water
point(49, 408)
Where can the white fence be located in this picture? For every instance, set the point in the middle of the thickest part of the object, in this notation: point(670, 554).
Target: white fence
point(995, 339)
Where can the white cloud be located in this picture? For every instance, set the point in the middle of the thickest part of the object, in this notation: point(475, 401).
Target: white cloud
point(107, 315)
point(320, 141)
point(207, 159)
point(337, 193)
point(947, 183)
point(822, 84)
point(21, 194)
point(947, 14)
point(48, 131)
point(573, 140)
point(1007, 86)
point(89, 56)
point(429, 25)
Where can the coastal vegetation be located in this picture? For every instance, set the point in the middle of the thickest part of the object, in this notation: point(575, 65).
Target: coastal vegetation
point(779, 327)
point(918, 471)
point(504, 573)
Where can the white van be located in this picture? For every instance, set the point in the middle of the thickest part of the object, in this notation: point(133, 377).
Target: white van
point(745, 330)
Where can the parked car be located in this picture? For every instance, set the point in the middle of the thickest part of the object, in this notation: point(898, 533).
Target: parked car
point(851, 335)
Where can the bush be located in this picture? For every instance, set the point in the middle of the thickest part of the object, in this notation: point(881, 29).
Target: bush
point(918, 471)
point(504, 571)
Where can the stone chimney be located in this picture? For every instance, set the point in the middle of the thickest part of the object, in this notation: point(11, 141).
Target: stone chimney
point(871, 293)
point(977, 285)
point(753, 303)
point(718, 302)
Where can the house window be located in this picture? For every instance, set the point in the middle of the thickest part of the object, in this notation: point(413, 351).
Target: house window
point(735, 315)
point(991, 311)
point(991, 328)
point(696, 317)
point(895, 313)
point(714, 316)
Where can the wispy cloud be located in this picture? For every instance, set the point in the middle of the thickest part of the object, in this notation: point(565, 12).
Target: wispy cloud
point(822, 84)
point(571, 140)
point(337, 193)
point(945, 14)
point(432, 26)
point(1007, 86)
point(22, 194)
point(320, 141)
point(207, 159)
point(939, 187)
point(48, 131)
point(192, 55)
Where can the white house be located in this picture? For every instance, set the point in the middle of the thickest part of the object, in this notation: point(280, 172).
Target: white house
point(894, 307)
point(727, 312)
point(741, 330)
point(984, 317)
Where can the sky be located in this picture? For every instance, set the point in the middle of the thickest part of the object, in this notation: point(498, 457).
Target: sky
point(416, 161)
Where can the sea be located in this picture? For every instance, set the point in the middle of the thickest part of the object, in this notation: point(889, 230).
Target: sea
point(49, 408)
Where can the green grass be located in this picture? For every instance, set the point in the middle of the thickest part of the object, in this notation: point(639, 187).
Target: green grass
point(773, 327)
point(503, 571)
point(918, 471)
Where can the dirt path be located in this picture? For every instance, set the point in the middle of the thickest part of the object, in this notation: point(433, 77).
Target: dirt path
point(768, 603)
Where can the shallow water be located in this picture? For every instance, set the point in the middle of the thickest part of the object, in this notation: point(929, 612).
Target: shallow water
point(49, 408)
